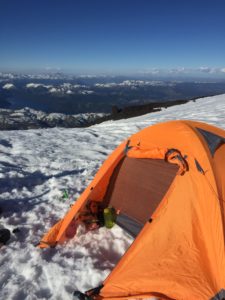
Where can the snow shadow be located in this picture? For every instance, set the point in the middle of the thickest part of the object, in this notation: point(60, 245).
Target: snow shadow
point(10, 167)
point(19, 206)
point(93, 133)
point(30, 180)
point(48, 254)
point(5, 143)
point(14, 217)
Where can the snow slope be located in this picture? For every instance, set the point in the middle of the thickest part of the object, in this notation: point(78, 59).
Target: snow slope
point(35, 167)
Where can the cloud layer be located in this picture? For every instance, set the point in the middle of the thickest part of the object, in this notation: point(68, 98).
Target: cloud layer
point(186, 71)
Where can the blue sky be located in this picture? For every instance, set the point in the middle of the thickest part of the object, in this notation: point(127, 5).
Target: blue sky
point(113, 36)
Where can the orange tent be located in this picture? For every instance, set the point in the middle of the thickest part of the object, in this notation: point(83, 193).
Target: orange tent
point(168, 184)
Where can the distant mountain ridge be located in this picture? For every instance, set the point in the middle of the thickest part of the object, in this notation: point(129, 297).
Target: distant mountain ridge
point(28, 118)
point(76, 95)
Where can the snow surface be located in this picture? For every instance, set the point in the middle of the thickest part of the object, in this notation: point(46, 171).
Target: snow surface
point(35, 167)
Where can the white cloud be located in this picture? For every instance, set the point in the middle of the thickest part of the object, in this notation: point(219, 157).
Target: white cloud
point(106, 85)
point(206, 70)
point(179, 70)
point(211, 70)
point(8, 86)
point(86, 92)
point(77, 86)
point(54, 90)
point(184, 70)
point(36, 85)
point(33, 85)
point(131, 83)
point(69, 92)
point(66, 85)
point(153, 71)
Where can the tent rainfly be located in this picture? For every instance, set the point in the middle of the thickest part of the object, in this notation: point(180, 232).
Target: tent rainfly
point(168, 184)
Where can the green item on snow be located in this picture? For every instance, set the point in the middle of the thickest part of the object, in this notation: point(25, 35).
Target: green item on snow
point(109, 217)
point(65, 195)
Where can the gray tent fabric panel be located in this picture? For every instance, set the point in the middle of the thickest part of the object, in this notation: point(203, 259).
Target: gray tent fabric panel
point(213, 140)
point(220, 295)
point(130, 225)
point(137, 186)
